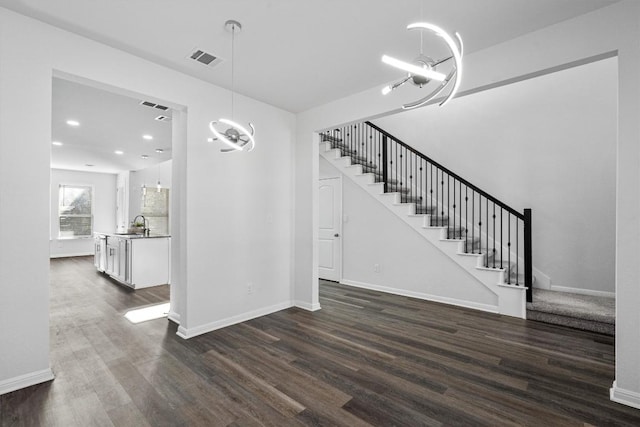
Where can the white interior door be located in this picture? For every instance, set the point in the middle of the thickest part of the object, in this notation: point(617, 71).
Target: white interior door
point(330, 229)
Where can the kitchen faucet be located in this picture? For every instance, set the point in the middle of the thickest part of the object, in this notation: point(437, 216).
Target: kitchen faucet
point(145, 224)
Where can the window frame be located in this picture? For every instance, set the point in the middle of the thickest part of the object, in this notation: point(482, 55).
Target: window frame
point(91, 216)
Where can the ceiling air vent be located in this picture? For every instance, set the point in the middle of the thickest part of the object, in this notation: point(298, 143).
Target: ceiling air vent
point(163, 118)
point(205, 58)
point(154, 105)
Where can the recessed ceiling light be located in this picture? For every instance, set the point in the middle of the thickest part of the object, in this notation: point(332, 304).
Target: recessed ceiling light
point(159, 150)
point(147, 137)
point(73, 123)
point(58, 143)
point(144, 157)
point(119, 152)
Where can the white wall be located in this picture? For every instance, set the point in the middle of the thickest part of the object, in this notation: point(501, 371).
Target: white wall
point(104, 209)
point(408, 263)
point(235, 215)
point(549, 144)
point(612, 29)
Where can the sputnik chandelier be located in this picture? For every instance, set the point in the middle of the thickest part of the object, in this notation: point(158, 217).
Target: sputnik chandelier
point(236, 137)
point(423, 69)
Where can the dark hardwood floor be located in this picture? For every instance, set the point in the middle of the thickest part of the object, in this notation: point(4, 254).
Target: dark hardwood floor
point(366, 358)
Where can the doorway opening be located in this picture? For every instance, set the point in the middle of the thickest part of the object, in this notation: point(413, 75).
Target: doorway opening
point(120, 145)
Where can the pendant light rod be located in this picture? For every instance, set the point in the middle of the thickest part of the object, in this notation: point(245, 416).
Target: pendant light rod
point(232, 25)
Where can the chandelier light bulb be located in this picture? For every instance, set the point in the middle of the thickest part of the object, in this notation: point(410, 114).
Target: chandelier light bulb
point(413, 69)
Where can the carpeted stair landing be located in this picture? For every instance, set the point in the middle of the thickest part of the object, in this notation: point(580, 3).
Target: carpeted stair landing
point(589, 313)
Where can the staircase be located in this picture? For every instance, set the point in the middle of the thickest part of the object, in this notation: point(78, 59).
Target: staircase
point(483, 235)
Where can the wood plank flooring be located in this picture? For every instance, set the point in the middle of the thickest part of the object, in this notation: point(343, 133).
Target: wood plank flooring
point(366, 358)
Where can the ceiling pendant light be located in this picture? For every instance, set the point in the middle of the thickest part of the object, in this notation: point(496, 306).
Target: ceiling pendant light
point(236, 137)
point(423, 69)
point(158, 186)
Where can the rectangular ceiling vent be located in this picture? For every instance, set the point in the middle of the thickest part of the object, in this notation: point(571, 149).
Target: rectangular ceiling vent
point(154, 105)
point(163, 118)
point(205, 58)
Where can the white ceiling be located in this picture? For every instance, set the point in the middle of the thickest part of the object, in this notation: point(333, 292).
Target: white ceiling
point(294, 54)
point(108, 122)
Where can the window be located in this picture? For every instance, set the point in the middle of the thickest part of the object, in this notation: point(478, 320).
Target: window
point(75, 210)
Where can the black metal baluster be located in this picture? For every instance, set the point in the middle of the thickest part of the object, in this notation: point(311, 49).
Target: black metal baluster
point(423, 185)
point(473, 220)
point(466, 219)
point(413, 175)
point(385, 170)
point(517, 256)
point(509, 247)
point(459, 207)
point(442, 197)
point(487, 229)
point(431, 191)
point(454, 205)
point(480, 227)
point(365, 143)
point(528, 254)
point(493, 254)
point(501, 234)
point(437, 196)
point(402, 178)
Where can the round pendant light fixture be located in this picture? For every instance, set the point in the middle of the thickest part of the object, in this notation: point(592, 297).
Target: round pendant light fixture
point(423, 69)
point(236, 137)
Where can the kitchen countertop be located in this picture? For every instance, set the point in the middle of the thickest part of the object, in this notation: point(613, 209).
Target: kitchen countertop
point(133, 236)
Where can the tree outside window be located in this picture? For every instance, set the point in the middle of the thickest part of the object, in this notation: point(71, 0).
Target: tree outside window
point(75, 211)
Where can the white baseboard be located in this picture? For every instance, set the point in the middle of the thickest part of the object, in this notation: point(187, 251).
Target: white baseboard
point(423, 296)
point(70, 255)
point(174, 317)
point(306, 306)
point(542, 281)
point(625, 397)
point(187, 333)
point(583, 291)
point(26, 380)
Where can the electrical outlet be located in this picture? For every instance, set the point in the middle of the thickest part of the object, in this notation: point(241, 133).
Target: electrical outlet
point(249, 288)
point(376, 268)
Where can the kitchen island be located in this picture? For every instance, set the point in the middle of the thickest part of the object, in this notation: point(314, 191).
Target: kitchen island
point(135, 260)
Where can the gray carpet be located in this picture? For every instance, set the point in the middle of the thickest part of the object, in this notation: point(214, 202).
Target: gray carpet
point(597, 314)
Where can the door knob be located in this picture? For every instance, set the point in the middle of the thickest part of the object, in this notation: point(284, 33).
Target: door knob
point(336, 235)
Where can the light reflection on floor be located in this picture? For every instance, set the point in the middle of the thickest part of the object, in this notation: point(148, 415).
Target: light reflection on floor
point(147, 313)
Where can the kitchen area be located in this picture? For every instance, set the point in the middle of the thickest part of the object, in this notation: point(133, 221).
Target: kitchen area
point(111, 173)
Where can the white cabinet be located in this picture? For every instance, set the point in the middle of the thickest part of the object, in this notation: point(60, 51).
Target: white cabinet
point(149, 261)
point(111, 265)
point(138, 262)
point(100, 249)
point(117, 258)
point(123, 260)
